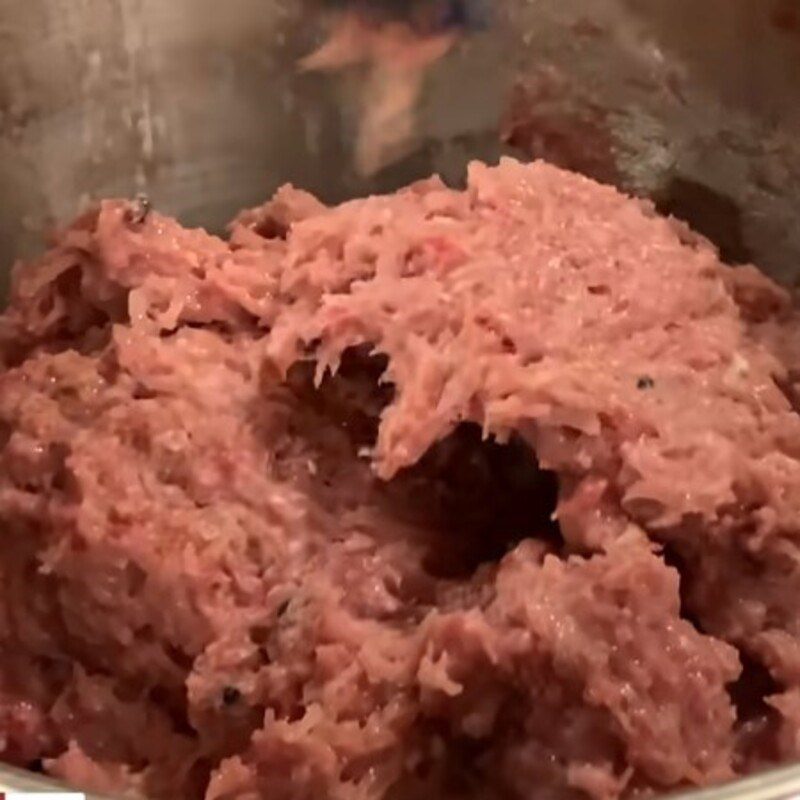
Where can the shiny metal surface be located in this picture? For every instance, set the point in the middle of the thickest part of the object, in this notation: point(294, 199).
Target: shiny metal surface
point(198, 103)
point(14, 780)
point(778, 784)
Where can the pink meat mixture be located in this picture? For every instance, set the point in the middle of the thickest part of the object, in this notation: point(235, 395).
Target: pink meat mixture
point(490, 493)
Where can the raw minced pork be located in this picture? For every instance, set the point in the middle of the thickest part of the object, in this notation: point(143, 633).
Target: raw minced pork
point(490, 493)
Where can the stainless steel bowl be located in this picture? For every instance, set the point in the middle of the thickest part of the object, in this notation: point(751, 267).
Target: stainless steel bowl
point(695, 103)
point(199, 104)
point(778, 784)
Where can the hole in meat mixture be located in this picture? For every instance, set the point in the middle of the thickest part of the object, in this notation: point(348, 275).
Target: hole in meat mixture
point(5, 433)
point(710, 213)
point(480, 497)
point(271, 228)
point(452, 767)
point(673, 558)
point(474, 498)
point(757, 721)
point(353, 399)
point(790, 388)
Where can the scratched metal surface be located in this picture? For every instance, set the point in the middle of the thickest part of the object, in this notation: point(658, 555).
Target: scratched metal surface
point(198, 103)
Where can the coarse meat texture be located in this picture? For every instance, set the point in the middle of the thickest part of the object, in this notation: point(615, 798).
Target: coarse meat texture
point(490, 493)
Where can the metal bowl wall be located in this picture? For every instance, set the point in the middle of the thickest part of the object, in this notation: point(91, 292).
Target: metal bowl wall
point(199, 104)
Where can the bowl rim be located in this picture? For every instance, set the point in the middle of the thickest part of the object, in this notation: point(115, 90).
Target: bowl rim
point(781, 783)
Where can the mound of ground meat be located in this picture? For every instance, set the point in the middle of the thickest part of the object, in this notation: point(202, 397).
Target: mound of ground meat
point(447, 494)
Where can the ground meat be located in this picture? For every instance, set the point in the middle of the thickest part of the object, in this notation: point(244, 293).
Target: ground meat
point(461, 494)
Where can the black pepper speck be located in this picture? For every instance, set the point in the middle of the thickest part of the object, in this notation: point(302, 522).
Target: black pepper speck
point(231, 695)
point(645, 382)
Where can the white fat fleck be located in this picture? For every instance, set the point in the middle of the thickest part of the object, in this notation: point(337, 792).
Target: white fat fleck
point(739, 367)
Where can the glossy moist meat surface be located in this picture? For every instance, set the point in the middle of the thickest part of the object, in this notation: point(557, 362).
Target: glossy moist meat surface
point(460, 494)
